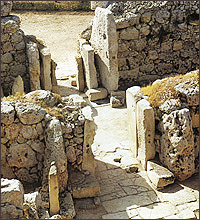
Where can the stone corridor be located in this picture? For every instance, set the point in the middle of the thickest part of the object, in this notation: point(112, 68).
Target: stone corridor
point(126, 194)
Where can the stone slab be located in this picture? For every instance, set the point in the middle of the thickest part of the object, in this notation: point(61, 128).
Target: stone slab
point(67, 207)
point(46, 69)
point(159, 175)
point(132, 96)
point(89, 187)
point(146, 132)
point(18, 86)
point(87, 53)
point(96, 94)
point(80, 81)
point(104, 41)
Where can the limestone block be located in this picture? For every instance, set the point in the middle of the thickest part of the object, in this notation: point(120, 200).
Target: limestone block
point(43, 96)
point(45, 73)
point(77, 100)
point(2, 94)
point(18, 86)
point(12, 131)
point(34, 65)
point(29, 113)
point(29, 132)
point(80, 81)
point(7, 113)
point(159, 175)
point(88, 188)
point(87, 53)
point(122, 23)
point(96, 94)
point(146, 131)
point(117, 98)
point(6, 58)
point(11, 212)
point(67, 207)
point(177, 144)
point(104, 41)
point(21, 155)
point(6, 7)
point(54, 151)
point(130, 33)
point(12, 192)
point(53, 73)
point(132, 96)
point(89, 133)
point(71, 154)
point(23, 175)
point(53, 191)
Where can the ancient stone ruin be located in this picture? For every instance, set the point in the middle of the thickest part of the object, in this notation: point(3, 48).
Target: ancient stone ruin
point(51, 162)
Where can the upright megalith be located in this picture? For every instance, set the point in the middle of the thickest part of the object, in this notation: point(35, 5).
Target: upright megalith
point(18, 86)
point(53, 190)
point(34, 65)
point(87, 53)
point(104, 41)
point(46, 69)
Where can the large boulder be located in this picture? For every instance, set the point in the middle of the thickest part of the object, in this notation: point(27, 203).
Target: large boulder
point(7, 113)
point(177, 143)
point(12, 192)
point(29, 113)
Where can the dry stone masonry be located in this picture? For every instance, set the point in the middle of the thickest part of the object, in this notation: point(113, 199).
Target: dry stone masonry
point(23, 56)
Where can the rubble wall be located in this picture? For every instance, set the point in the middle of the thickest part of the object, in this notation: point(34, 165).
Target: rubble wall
point(27, 133)
point(156, 39)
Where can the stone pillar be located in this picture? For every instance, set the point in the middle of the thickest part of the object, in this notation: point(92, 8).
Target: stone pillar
point(18, 86)
point(132, 97)
point(104, 41)
point(53, 73)
point(80, 76)
point(53, 190)
point(46, 69)
point(87, 52)
point(146, 132)
point(89, 133)
point(34, 65)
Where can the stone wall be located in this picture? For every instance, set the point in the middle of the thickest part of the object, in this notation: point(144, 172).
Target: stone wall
point(156, 39)
point(171, 130)
point(22, 56)
point(32, 136)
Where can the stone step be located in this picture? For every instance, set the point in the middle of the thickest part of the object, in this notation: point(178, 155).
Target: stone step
point(82, 186)
point(159, 175)
point(96, 94)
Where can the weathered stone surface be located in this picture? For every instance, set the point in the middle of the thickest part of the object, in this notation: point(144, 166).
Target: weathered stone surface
point(21, 155)
point(11, 212)
point(45, 73)
point(29, 132)
point(12, 192)
point(86, 34)
point(18, 86)
point(7, 113)
point(6, 7)
point(117, 98)
point(80, 76)
point(6, 58)
point(12, 131)
point(53, 190)
point(146, 131)
point(54, 151)
point(89, 133)
point(159, 175)
point(42, 96)
point(104, 42)
point(95, 4)
point(29, 113)
point(77, 100)
point(96, 94)
point(88, 188)
point(23, 175)
point(177, 144)
point(10, 24)
point(34, 65)
point(130, 33)
point(53, 73)
point(87, 53)
point(189, 91)
point(71, 154)
point(33, 202)
point(67, 207)
point(132, 97)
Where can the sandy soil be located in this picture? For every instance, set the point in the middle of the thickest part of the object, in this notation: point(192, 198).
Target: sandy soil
point(59, 30)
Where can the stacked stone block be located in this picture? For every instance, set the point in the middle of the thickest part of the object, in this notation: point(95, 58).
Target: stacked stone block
point(156, 39)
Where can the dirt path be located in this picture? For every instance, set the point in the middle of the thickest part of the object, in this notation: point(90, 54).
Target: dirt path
point(60, 32)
